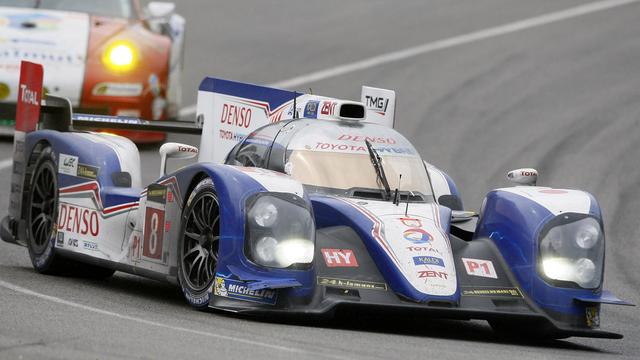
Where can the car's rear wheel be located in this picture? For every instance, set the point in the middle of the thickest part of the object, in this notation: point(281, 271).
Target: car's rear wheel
point(199, 243)
point(41, 210)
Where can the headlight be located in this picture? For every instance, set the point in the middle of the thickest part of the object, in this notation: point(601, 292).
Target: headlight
point(264, 213)
point(120, 56)
point(280, 231)
point(572, 251)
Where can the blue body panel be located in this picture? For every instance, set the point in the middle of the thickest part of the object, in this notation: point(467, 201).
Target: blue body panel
point(91, 153)
point(233, 188)
point(275, 97)
point(514, 223)
point(88, 153)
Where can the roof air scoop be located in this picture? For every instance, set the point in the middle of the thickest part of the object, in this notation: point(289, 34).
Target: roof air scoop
point(351, 111)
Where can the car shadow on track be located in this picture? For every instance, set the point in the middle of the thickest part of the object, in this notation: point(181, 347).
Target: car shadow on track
point(475, 331)
point(168, 294)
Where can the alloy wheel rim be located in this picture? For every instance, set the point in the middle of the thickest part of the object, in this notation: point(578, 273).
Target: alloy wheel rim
point(43, 208)
point(199, 252)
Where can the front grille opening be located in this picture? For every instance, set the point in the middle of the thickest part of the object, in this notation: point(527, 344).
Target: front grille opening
point(349, 293)
point(442, 304)
point(375, 195)
point(352, 111)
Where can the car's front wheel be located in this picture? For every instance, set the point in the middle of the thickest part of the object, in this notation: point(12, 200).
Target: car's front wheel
point(199, 243)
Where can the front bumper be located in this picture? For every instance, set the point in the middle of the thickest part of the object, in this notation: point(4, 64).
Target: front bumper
point(329, 302)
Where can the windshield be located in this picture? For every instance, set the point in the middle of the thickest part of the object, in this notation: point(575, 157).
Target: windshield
point(332, 157)
point(110, 8)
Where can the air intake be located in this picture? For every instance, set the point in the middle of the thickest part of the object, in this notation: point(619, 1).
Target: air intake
point(351, 111)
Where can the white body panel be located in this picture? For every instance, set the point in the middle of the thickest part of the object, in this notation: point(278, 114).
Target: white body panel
point(85, 226)
point(56, 39)
point(156, 229)
point(380, 105)
point(227, 119)
point(127, 153)
point(416, 243)
point(273, 181)
point(438, 181)
point(557, 201)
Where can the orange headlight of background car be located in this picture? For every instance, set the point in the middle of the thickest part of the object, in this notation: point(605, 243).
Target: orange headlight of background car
point(121, 56)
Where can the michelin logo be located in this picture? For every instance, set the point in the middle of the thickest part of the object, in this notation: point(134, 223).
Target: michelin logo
point(238, 290)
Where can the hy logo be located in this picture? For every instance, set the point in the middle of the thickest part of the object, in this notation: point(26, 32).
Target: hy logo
point(417, 236)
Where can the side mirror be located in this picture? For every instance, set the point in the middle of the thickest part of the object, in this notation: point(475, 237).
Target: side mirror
point(175, 151)
point(526, 176)
point(458, 216)
point(451, 201)
point(160, 9)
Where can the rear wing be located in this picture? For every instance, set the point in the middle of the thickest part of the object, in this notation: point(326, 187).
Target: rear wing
point(380, 105)
point(227, 111)
point(231, 110)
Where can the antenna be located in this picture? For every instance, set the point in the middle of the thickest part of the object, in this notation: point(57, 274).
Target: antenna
point(396, 196)
point(295, 106)
point(406, 209)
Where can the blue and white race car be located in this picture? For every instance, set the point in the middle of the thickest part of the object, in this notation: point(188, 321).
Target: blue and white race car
point(301, 204)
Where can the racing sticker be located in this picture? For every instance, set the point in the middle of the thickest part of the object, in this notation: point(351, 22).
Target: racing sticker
point(235, 289)
point(351, 284)
point(154, 220)
point(157, 193)
point(135, 246)
point(508, 292)
point(153, 233)
point(423, 274)
point(339, 258)
point(88, 171)
point(417, 235)
point(60, 239)
point(477, 267)
point(428, 260)
point(89, 245)
point(68, 164)
point(592, 316)
point(311, 110)
point(78, 220)
point(27, 115)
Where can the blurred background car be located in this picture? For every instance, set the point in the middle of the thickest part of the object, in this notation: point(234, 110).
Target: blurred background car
point(109, 57)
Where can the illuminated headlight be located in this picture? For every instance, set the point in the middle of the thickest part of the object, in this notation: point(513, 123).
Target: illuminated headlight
point(572, 251)
point(280, 231)
point(120, 56)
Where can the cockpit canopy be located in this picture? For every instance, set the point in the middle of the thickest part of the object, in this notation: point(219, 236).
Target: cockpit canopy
point(332, 157)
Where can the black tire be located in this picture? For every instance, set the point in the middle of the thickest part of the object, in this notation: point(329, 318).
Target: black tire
point(41, 212)
point(198, 244)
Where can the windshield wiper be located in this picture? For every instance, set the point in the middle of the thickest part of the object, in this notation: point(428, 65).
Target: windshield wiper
point(376, 160)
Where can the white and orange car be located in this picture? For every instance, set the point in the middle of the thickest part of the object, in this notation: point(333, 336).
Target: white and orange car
point(109, 57)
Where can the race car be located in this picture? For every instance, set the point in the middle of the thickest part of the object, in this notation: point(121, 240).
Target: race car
point(301, 205)
point(107, 57)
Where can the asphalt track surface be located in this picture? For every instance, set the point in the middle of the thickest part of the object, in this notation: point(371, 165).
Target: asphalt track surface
point(563, 97)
